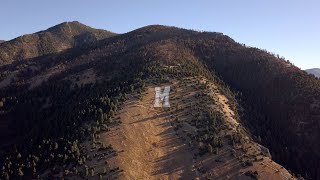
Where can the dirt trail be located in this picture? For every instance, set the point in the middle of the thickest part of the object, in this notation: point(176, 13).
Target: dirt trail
point(147, 144)
point(228, 112)
point(223, 100)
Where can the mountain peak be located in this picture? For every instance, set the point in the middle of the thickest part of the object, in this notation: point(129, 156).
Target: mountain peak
point(55, 39)
point(226, 99)
point(73, 24)
point(314, 71)
point(155, 28)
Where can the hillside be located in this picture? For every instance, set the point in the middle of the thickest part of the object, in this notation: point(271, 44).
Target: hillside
point(170, 144)
point(80, 105)
point(52, 40)
point(314, 71)
point(1, 41)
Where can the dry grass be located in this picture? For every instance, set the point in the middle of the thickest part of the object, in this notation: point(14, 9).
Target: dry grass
point(155, 143)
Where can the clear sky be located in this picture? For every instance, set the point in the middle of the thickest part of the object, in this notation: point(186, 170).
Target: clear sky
point(290, 28)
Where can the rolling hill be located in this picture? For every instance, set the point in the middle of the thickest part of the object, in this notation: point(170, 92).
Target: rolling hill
point(55, 39)
point(237, 112)
point(314, 71)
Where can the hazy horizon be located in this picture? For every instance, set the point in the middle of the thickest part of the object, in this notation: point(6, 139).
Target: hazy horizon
point(287, 28)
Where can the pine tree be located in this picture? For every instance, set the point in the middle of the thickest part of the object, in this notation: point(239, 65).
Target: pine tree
point(92, 171)
point(20, 172)
point(210, 149)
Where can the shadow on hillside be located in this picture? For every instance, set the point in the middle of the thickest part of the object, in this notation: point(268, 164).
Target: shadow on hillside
point(150, 118)
point(178, 157)
point(182, 159)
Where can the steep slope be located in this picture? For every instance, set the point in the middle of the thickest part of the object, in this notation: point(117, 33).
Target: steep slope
point(52, 40)
point(160, 143)
point(65, 97)
point(281, 102)
point(314, 71)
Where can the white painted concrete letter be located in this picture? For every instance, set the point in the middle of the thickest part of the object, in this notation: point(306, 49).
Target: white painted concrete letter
point(160, 97)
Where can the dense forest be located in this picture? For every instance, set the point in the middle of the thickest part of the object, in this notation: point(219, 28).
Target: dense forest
point(281, 102)
point(47, 108)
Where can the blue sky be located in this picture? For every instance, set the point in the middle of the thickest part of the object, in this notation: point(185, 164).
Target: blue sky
point(290, 28)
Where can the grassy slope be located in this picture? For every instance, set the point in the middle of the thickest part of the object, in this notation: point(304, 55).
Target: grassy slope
point(52, 40)
point(281, 107)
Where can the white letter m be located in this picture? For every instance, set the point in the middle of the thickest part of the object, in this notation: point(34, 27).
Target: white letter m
point(159, 97)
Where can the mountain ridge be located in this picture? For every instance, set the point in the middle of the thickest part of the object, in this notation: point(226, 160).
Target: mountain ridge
point(160, 53)
point(55, 39)
point(314, 71)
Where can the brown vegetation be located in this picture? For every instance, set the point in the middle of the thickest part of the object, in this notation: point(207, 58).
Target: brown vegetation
point(57, 96)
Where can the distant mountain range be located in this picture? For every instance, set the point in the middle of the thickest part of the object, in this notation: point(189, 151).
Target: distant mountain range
point(1, 41)
point(55, 39)
point(314, 71)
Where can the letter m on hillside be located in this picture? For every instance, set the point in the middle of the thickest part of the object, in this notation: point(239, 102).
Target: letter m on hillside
point(162, 97)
